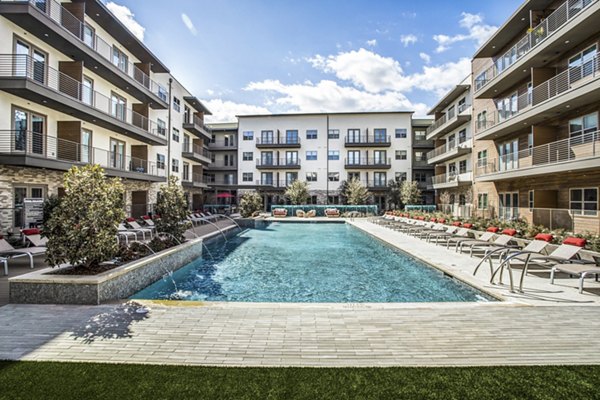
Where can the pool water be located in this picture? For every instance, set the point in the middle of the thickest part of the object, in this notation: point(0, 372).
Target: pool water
point(304, 262)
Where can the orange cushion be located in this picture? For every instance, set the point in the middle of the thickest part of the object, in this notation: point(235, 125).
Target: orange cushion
point(468, 226)
point(442, 221)
point(456, 223)
point(493, 229)
point(509, 232)
point(432, 220)
point(546, 237)
point(575, 241)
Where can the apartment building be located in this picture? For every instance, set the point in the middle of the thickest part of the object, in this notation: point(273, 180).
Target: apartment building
point(323, 150)
point(422, 171)
point(222, 175)
point(535, 104)
point(451, 158)
point(76, 88)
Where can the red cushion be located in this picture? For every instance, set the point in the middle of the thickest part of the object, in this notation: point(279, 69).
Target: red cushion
point(432, 220)
point(575, 241)
point(442, 221)
point(130, 219)
point(456, 223)
point(468, 226)
point(31, 231)
point(421, 218)
point(509, 232)
point(546, 237)
point(493, 229)
point(145, 217)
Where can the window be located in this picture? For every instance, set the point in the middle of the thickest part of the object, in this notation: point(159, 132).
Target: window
point(89, 36)
point(462, 105)
point(583, 126)
point(186, 171)
point(176, 135)
point(248, 135)
point(175, 165)
point(120, 59)
point(380, 179)
point(401, 133)
point(462, 136)
point(312, 200)
point(311, 177)
point(291, 158)
point(247, 177)
point(530, 142)
point(266, 178)
point(584, 201)
point(353, 157)
point(177, 104)
point(333, 155)
point(420, 135)
point(401, 176)
point(481, 121)
point(420, 177)
point(291, 137)
point(117, 154)
point(291, 177)
point(160, 161)
point(462, 200)
point(481, 158)
point(333, 134)
point(380, 135)
point(480, 80)
point(380, 157)
point(311, 155)
point(118, 106)
point(187, 114)
point(462, 167)
point(248, 156)
point(161, 127)
point(333, 177)
point(87, 91)
point(311, 134)
point(353, 176)
point(401, 155)
point(353, 136)
point(531, 200)
point(420, 156)
point(583, 64)
point(508, 205)
point(266, 157)
point(482, 201)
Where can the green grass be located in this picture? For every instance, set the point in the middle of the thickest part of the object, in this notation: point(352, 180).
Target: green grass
point(49, 380)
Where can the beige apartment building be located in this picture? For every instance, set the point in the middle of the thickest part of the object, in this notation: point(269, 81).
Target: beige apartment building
point(76, 88)
point(536, 99)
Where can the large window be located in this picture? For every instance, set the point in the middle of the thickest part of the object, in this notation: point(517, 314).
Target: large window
point(584, 125)
point(401, 154)
point(353, 157)
point(247, 177)
point(118, 106)
point(333, 134)
point(583, 64)
point(379, 179)
point(401, 134)
point(333, 176)
point(120, 60)
point(311, 155)
point(311, 177)
point(333, 155)
point(482, 201)
point(87, 91)
point(175, 165)
point(481, 158)
point(161, 127)
point(291, 137)
point(248, 135)
point(420, 135)
point(311, 134)
point(380, 136)
point(584, 201)
point(462, 167)
point(247, 156)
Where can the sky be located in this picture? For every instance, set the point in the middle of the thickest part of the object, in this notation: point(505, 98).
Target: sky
point(281, 56)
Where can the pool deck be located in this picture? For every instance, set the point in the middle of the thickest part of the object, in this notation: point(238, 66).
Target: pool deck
point(548, 324)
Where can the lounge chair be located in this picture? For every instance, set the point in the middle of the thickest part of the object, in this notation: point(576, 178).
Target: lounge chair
point(300, 214)
point(37, 240)
point(7, 251)
point(450, 230)
point(138, 228)
point(447, 239)
point(311, 214)
point(122, 231)
point(582, 270)
point(279, 212)
point(4, 261)
point(332, 213)
point(208, 216)
point(477, 246)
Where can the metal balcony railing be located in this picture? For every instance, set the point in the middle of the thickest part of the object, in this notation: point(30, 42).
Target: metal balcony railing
point(223, 164)
point(225, 182)
point(278, 141)
point(563, 14)
point(72, 25)
point(374, 183)
point(278, 162)
point(274, 183)
point(369, 139)
point(23, 66)
point(447, 117)
point(577, 148)
point(196, 149)
point(448, 147)
point(451, 177)
point(547, 90)
point(199, 122)
point(222, 143)
point(368, 161)
point(52, 148)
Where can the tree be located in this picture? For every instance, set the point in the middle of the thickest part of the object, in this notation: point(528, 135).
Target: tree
point(172, 207)
point(49, 206)
point(342, 192)
point(356, 193)
point(445, 198)
point(410, 193)
point(82, 229)
point(297, 192)
point(250, 203)
point(394, 194)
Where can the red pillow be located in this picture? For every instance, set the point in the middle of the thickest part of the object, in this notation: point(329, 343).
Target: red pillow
point(145, 217)
point(130, 219)
point(509, 232)
point(493, 229)
point(456, 223)
point(575, 241)
point(546, 237)
point(432, 220)
point(442, 221)
point(31, 231)
point(468, 226)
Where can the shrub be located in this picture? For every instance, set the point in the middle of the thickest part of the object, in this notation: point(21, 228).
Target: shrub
point(251, 204)
point(356, 193)
point(172, 207)
point(48, 208)
point(297, 192)
point(82, 229)
point(410, 193)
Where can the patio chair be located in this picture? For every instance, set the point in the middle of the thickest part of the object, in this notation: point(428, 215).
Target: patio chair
point(332, 213)
point(445, 238)
point(208, 216)
point(37, 240)
point(279, 212)
point(487, 236)
point(300, 214)
point(123, 232)
point(311, 214)
point(8, 251)
point(138, 228)
point(582, 270)
point(456, 241)
point(478, 246)
point(4, 261)
point(450, 230)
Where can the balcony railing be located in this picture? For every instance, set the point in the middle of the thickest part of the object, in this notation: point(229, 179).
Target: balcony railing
point(453, 177)
point(368, 162)
point(198, 122)
point(23, 66)
point(278, 162)
point(576, 148)
point(278, 141)
point(368, 139)
point(223, 164)
point(448, 147)
point(447, 117)
point(223, 144)
point(376, 184)
point(547, 90)
point(196, 149)
point(72, 25)
point(563, 14)
point(39, 145)
point(274, 183)
point(221, 182)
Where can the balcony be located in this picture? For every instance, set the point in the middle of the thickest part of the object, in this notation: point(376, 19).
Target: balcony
point(195, 125)
point(569, 25)
point(376, 185)
point(194, 181)
point(368, 163)
point(281, 163)
point(451, 180)
point(572, 88)
point(22, 76)
point(567, 155)
point(450, 150)
point(31, 149)
point(55, 25)
point(221, 182)
point(222, 145)
point(423, 144)
point(222, 165)
point(196, 153)
point(278, 143)
point(368, 141)
point(450, 121)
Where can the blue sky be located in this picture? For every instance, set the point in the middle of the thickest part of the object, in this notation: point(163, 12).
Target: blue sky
point(256, 56)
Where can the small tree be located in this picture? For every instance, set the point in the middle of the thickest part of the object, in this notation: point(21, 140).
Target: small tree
point(410, 193)
point(49, 206)
point(356, 193)
point(342, 192)
point(394, 194)
point(250, 203)
point(172, 207)
point(82, 229)
point(445, 198)
point(297, 192)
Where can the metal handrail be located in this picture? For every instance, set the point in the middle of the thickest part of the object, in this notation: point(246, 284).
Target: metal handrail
point(194, 148)
point(222, 143)
point(74, 26)
point(563, 14)
point(35, 144)
point(451, 177)
point(24, 66)
point(447, 117)
point(575, 148)
point(278, 140)
point(274, 183)
point(368, 161)
point(278, 162)
point(368, 139)
point(448, 147)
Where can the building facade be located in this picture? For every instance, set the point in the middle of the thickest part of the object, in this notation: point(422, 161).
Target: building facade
point(422, 171)
point(222, 174)
point(536, 93)
point(323, 150)
point(76, 88)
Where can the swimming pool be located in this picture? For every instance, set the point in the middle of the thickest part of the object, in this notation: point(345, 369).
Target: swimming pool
point(304, 262)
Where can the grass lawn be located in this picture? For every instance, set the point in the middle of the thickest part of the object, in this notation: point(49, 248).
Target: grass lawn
point(50, 380)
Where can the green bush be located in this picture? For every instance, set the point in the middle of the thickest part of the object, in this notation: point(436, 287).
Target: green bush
point(172, 207)
point(355, 193)
point(297, 192)
point(251, 204)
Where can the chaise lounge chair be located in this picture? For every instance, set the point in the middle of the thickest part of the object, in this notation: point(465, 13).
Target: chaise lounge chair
point(279, 212)
point(7, 251)
point(582, 270)
point(332, 213)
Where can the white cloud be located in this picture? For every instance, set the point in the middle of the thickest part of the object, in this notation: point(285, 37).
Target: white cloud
point(372, 42)
point(477, 31)
point(127, 18)
point(425, 57)
point(210, 92)
point(407, 40)
point(225, 110)
point(189, 24)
